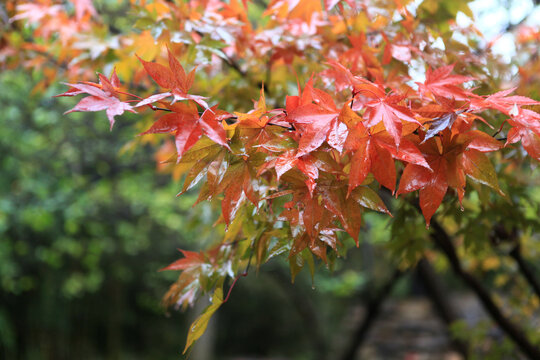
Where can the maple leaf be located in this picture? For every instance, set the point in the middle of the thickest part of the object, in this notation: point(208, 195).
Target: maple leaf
point(347, 208)
point(501, 101)
point(234, 191)
point(383, 107)
point(450, 160)
point(312, 215)
point(250, 129)
point(198, 327)
point(289, 160)
point(103, 96)
point(439, 124)
point(359, 85)
point(390, 114)
point(184, 122)
point(315, 220)
point(526, 118)
point(317, 122)
point(237, 181)
point(525, 127)
point(188, 126)
point(173, 78)
point(440, 82)
point(254, 118)
point(212, 127)
point(373, 152)
point(529, 140)
point(396, 49)
point(190, 259)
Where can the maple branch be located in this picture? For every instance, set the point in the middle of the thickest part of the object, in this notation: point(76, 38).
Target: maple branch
point(292, 128)
point(354, 93)
point(524, 268)
point(511, 27)
point(437, 294)
point(249, 263)
point(500, 235)
point(347, 26)
point(233, 118)
point(373, 309)
point(243, 274)
point(155, 108)
point(231, 287)
point(235, 66)
point(444, 243)
point(5, 18)
point(499, 130)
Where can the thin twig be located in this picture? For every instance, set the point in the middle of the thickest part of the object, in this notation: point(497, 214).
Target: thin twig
point(245, 273)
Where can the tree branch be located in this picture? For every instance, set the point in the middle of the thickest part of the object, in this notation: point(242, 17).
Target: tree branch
point(437, 294)
point(373, 308)
point(524, 268)
point(499, 235)
point(443, 241)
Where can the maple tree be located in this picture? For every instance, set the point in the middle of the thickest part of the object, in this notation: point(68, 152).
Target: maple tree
point(304, 162)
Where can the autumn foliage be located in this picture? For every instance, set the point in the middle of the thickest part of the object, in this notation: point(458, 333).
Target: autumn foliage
point(292, 175)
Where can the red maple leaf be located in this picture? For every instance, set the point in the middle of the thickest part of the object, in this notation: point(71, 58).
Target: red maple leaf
point(346, 208)
point(451, 158)
point(373, 151)
point(315, 114)
point(525, 127)
point(501, 101)
point(173, 78)
point(184, 121)
point(388, 111)
point(380, 106)
point(191, 259)
point(306, 164)
point(440, 82)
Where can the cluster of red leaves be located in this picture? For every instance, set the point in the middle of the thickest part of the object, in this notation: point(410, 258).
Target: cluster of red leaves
point(324, 156)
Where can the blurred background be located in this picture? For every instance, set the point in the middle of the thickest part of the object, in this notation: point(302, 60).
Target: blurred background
point(86, 222)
